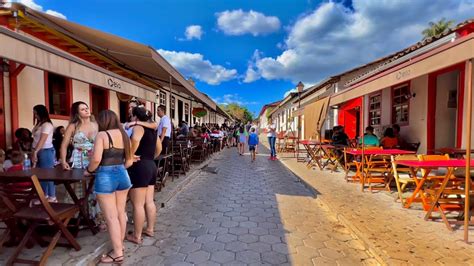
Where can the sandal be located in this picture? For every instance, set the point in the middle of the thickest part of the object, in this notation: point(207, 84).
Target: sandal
point(107, 259)
point(133, 239)
point(149, 233)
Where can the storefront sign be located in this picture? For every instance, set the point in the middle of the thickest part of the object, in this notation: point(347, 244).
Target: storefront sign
point(113, 83)
point(402, 74)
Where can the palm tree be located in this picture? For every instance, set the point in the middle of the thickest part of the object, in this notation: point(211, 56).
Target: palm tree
point(436, 28)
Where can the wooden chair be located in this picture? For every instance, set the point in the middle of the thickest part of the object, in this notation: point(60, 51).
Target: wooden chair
point(350, 163)
point(403, 175)
point(180, 160)
point(57, 215)
point(280, 141)
point(200, 152)
point(163, 166)
point(451, 198)
point(377, 170)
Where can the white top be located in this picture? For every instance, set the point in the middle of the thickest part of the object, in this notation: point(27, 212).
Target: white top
point(46, 128)
point(164, 122)
point(271, 133)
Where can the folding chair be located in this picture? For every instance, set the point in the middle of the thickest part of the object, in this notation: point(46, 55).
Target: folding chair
point(56, 215)
point(377, 170)
point(350, 162)
point(403, 175)
point(451, 197)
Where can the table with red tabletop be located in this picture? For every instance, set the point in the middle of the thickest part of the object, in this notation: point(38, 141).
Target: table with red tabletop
point(375, 160)
point(441, 201)
point(453, 152)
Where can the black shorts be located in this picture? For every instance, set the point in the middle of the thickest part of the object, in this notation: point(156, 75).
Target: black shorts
point(142, 173)
point(165, 145)
point(251, 147)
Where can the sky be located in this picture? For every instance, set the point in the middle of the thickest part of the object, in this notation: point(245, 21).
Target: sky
point(253, 52)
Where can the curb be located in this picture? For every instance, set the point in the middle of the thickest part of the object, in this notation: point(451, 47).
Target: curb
point(377, 253)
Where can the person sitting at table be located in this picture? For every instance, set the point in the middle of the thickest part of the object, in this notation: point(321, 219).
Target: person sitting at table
point(43, 150)
point(339, 137)
point(389, 141)
point(396, 132)
point(183, 129)
point(23, 141)
point(370, 139)
point(145, 145)
point(111, 157)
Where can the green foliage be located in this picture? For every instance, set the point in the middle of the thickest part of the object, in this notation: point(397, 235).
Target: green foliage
point(436, 28)
point(239, 112)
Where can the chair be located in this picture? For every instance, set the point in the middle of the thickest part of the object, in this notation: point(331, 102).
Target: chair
point(200, 152)
point(350, 162)
point(57, 215)
point(280, 141)
point(376, 170)
point(163, 165)
point(403, 175)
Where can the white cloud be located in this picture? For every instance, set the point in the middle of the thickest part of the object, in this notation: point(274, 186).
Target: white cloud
point(56, 14)
point(239, 22)
point(233, 98)
point(193, 32)
point(196, 66)
point(252, 74)
point(33, 5)
point(333, 38)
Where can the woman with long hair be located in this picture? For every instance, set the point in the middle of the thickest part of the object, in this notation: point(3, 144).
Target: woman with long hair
point(146, 145)
point(43, 150)
point(111, 156)
point(81, 130)
point(242, 140)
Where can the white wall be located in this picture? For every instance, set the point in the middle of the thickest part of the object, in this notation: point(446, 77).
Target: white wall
point(446, 118)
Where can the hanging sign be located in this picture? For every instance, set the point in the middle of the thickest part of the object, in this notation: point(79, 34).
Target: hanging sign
point(199, 112)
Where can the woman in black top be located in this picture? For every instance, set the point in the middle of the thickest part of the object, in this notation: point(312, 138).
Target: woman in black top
point(146, 146)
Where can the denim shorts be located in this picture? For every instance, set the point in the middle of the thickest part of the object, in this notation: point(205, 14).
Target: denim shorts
point(111, 178)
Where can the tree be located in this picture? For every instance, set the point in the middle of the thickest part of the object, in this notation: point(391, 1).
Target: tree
point(238, 111)
point(436, 28)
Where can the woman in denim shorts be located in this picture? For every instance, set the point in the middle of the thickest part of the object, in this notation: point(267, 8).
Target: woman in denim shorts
point(110, 159)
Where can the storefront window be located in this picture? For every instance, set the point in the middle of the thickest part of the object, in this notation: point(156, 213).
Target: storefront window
point(162, 98)
point(186, 112)
point(375, 110)
point(400, 104)
point(58, 94)
point(172, 105)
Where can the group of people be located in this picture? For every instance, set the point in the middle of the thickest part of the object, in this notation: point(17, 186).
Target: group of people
point(391, 137)
point(120, 155)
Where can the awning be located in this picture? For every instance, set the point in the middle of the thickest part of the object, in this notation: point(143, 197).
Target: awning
point(24, 50)
point(442, 57)
point(128, 54)
point(314, 116)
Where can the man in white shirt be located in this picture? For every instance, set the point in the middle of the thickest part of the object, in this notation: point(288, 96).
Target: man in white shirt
point(164, 128)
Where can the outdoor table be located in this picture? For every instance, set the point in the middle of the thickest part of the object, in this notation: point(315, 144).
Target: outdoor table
point(453, 152)
point(428, 166)
point(369, 155)
point(67, 178)
point(313, 148)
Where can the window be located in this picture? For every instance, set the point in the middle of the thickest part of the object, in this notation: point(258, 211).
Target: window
point(99, 100)
point(375, 110)
point(400, 104)
point(58, 95)
point(162, 98)
point(186, 112)
point(172, 105)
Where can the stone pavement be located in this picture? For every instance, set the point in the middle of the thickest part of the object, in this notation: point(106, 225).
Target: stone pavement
point(247, 213)
point(394, 234)
point(93, 246)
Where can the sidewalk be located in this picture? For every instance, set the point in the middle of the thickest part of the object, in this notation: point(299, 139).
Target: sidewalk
point(93, 246)
point(394, 234)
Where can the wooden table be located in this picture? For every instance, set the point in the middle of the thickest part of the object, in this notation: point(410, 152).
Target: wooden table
point(428, 166)
point(313, 148)
point(453, 152)
point(369, 155)
point(67, 178)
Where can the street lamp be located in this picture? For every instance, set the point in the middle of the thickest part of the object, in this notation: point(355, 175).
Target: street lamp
point(299, 87)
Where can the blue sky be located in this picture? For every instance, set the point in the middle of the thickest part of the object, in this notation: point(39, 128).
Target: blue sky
point(254, 51)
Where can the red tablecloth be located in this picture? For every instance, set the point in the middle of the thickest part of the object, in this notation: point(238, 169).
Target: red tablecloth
point(379, 152)
point(309, 142)
point(435, 164)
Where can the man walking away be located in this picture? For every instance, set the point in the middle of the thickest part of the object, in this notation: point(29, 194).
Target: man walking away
point(253, 142)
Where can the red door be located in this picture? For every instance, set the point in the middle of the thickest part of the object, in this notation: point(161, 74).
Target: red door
point(349, 117)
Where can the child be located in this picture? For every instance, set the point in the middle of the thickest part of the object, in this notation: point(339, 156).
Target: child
point(17, 159)
point(253, 142)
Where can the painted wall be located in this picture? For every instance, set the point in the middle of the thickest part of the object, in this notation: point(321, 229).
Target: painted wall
point(30, 93)
point(446, 118)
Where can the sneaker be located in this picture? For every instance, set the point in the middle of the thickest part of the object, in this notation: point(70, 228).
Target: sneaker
point(52, 200)
point(270, 158)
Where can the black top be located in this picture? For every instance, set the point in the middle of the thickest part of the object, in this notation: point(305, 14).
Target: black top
point(112, 155)
point(340, 139)
point(146, 148)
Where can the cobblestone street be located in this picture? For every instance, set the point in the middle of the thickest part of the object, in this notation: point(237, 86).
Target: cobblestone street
point(247, 213)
